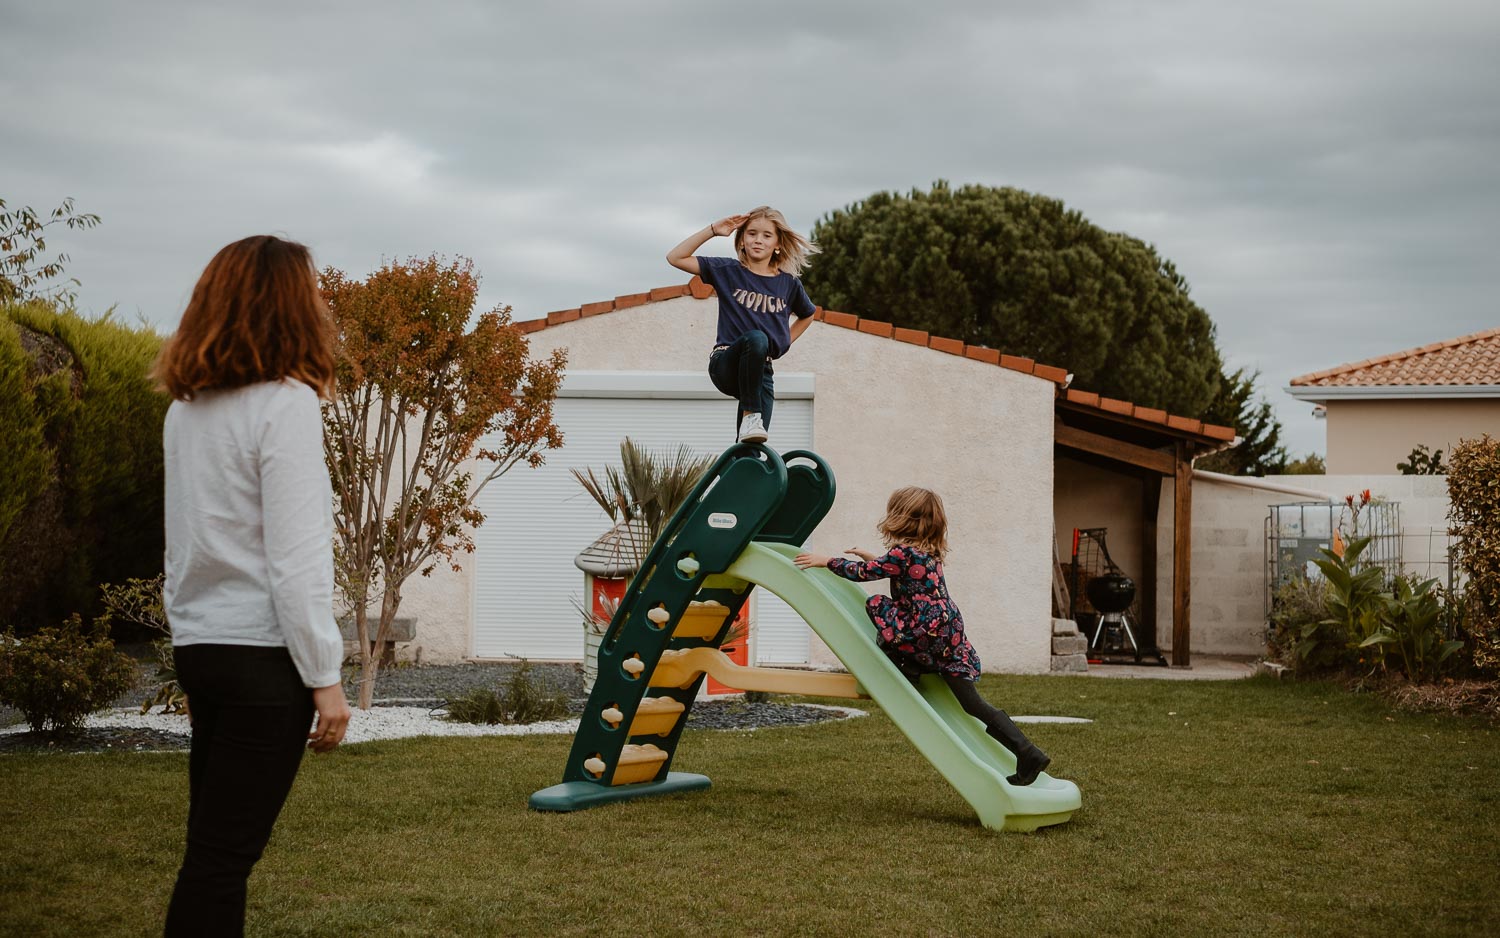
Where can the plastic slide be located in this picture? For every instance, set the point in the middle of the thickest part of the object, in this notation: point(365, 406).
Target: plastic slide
point(739, 528)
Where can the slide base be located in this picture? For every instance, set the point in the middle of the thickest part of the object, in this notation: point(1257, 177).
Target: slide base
point(575, 796)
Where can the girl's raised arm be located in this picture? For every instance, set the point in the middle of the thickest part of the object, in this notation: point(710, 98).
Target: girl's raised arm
point(682, 257)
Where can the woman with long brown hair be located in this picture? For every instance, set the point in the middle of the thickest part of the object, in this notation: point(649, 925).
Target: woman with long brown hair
point(249, 560)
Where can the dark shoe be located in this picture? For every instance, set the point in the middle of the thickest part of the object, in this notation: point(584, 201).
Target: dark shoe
point(1029, 764)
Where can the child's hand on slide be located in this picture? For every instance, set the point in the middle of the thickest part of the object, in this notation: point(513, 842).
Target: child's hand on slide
point(863, 554)
point(805, 560)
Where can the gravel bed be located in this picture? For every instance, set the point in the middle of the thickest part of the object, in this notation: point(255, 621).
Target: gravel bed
point(410, 704)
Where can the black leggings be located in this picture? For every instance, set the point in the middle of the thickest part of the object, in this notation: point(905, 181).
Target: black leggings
point(995, 720)
point(251, 715)
point(744, 372)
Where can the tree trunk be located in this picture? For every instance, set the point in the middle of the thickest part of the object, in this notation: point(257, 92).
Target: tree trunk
point(369, 664)
point(371, 652)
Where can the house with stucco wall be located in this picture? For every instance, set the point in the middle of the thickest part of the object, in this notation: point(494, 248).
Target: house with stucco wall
point(1380, 409)
point(885, 406)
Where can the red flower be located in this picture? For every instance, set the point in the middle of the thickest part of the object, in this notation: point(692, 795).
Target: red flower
point(1364, 497)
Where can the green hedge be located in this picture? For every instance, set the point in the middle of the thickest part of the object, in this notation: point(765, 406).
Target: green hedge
point(81, 503)
point(1474, 517)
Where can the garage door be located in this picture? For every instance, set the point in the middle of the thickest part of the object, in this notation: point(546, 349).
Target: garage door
point(537, 520)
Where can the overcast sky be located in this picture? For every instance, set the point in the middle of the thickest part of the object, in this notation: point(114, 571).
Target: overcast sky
point(1323, 173)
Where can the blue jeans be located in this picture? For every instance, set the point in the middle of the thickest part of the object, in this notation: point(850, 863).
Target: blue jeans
point(744, 372)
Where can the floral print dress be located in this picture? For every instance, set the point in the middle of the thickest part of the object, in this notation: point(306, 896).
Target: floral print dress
point(918, 626)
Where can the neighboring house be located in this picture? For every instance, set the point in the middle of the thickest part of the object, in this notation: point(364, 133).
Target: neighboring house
point(1380, 409)
point(886, 407)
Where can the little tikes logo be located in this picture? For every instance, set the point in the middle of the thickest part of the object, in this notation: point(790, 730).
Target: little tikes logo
point(722, 520)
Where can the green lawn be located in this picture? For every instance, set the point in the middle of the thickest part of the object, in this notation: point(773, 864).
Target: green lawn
point(1247, 807)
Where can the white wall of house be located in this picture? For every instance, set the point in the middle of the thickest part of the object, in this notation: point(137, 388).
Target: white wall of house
point(1372, 436)
point(1229, 553)
point(886, 414)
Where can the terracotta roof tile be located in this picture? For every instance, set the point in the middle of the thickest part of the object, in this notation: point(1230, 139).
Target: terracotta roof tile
point(594, 309)
point(562, 316)
point(876, 327)
point(1466, 360)
point(1115, 406)
point(1051, 373)
point(1086, 398)
point(1151, 414)
point(699, 289)
point(940, 344)
point(667, 293)
point(631, 299)
point(914, 336)
point(1015, 363)
point(989, 356)
point(1184, 423)
point(846, 320)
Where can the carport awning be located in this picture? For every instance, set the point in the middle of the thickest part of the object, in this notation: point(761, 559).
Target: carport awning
point(1151, 445)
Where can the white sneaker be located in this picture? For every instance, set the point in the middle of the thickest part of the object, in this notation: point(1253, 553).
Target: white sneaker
point(752, 430)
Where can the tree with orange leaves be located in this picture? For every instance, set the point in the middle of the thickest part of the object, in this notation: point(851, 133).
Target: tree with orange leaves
point(428, 412)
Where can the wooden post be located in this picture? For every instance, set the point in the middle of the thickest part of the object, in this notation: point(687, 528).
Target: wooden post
point(1182, 556)
point(1150, 507)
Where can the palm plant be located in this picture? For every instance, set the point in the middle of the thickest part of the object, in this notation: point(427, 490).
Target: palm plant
point(645, 490)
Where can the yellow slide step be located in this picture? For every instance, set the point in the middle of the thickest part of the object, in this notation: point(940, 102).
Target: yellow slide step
point(701, 620)
point(658, 715)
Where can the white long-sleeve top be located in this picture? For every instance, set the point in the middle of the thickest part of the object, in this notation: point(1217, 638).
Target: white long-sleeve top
point(249, 519)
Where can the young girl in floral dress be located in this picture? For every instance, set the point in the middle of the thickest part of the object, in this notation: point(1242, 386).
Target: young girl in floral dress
point(918, 626)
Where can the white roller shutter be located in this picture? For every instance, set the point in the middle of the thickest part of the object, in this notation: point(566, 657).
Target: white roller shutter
point(537, 520)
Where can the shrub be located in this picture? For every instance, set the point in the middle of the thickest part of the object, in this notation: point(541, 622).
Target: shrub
point(1474, 523)
point(82, 421)
point(522, 700)
point(139, 602)
point(1409, 633)
point(1348, 619)
point(1422, 462)
point(60, 675)
point(1297, 611)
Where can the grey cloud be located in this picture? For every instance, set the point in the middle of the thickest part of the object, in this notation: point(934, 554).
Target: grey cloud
point(1322, 173)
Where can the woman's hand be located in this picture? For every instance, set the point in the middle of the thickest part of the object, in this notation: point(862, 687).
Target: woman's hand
point(727, 225)
point(863, 554)
point(805, 560)
point(333, 718)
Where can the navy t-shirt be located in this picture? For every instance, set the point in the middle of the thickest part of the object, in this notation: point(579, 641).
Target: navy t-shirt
point(749, 301)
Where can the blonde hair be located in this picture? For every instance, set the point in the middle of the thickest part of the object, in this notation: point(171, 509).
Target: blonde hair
point(915, 516)
point(792, 250)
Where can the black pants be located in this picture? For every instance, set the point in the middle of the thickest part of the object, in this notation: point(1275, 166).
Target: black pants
point(996, 722)
point(251, 716)
point(744, 372)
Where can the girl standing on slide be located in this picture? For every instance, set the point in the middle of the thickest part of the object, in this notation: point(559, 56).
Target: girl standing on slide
point(762, 307)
